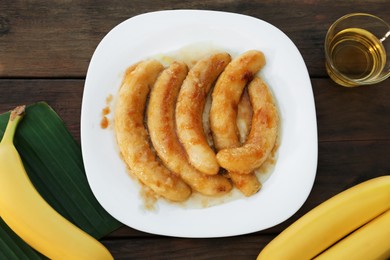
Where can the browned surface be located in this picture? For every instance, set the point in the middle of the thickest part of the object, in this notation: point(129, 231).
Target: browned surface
point(45, 48)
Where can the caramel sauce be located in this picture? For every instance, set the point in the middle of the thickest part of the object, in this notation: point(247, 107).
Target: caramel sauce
point(109, 99)
point(149, 198)
point(105, 122)
point(106, 111)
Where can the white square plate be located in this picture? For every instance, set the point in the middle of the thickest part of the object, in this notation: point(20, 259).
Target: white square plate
point(155, 33)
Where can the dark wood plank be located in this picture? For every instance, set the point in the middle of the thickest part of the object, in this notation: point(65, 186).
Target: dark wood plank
point(241, 247)
point(64, 96)
point(360, 113)
point(57, 38)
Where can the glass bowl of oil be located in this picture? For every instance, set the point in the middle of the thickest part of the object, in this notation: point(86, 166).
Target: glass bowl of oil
point(357, 50)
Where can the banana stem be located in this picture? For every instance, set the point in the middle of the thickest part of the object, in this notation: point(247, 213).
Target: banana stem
point(14, 119)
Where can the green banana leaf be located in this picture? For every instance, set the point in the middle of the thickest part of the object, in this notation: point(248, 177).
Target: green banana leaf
point(53, 161)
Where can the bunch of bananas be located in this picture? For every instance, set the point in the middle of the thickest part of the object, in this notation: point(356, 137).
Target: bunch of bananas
point(24, 210)
point(354, 224)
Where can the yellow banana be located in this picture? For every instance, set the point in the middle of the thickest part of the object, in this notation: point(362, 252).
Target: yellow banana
point(329, 222)
point(30, 216)
point(371, 241)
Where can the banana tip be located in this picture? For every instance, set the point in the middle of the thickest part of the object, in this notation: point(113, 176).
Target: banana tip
point(18, 111)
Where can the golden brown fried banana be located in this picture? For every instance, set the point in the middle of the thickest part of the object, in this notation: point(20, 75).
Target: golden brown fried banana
point(248, 184)
point(226, 96)
point(223, 113)
point(132, 136)
point(262, 136)
point(162, 130)
point(189, 109)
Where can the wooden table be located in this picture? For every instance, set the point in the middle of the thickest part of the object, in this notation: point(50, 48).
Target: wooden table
point(45, 48)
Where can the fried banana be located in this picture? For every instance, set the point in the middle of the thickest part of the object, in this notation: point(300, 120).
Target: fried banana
point(226, 96)
point(223, 113)
point(262, 136)
point(248, 184)
point(189, 110)
point(132, 137)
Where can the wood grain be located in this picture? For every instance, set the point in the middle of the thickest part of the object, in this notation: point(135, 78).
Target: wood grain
point(240, 247)
point(58, 38)
point(64, 96)
point(360, 113)
point(46, 46)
